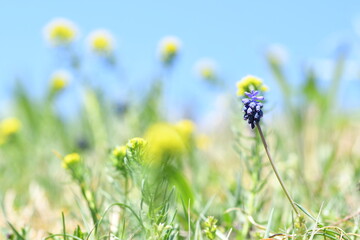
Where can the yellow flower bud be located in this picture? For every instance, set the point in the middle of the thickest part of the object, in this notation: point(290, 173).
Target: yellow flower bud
point(206, 69)
point(70, 160)
point(101, 42)
point(9, 126)
point(60, 32)
point(169, 48)
point(136, 142)
point(60, 80)
point(136, 148)
point(119, 152)
point(118, 155)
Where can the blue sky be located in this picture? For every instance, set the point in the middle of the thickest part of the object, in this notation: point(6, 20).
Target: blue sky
point(234, 33)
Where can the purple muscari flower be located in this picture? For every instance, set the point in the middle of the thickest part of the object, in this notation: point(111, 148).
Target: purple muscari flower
point(245, 101)
point(253, 95)
point(252, 108)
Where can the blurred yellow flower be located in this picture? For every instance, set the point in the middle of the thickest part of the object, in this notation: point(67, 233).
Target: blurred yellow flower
point(59, 80)
point(248, 83)
point(118, 155)
point(168, 48)
point(70, 160)
point(9, 126)
point(206, 69)
point(60, 32)
point(164, 141)
point(186, 128)
point(101, 42)
point(119, 152)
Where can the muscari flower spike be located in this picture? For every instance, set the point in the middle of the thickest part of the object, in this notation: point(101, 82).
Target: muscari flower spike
point(252, 108)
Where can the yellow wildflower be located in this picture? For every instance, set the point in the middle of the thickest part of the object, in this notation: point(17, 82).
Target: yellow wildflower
point(169, 48)
point(59, 80)
point(9, 126)
point(136, 148)
point(136, 142)
point(60, 32)
point(248, 83)
point(101, 42)
point(206, 68)
point(119, 152)
point(70, 160)
point(164, 141)
point(118, 155)
point(186, 128)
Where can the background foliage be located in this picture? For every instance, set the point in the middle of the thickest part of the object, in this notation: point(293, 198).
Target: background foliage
point(141, 166)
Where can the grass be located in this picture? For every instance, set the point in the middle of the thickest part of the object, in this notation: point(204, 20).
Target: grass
point(171, 182)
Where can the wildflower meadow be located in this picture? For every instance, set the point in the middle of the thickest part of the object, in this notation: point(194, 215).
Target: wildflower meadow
point(130, 161)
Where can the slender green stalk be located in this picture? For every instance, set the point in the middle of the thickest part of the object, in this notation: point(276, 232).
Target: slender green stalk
point(275, 169)
point(91, 205)
point(63, 225)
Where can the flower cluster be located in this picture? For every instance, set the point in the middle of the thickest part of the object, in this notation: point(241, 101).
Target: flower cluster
point(250, 83)
point(252, 108)
point(123, 157)
point(210, 227)
point(136, 144)
point(136, 148)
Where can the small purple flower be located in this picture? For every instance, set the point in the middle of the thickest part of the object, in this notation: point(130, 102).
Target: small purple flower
point(253, 95)
point(252, 108)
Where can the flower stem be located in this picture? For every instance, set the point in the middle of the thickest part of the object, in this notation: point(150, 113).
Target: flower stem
point(275, 169)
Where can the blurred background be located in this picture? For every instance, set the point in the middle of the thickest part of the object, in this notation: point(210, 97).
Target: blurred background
point(235, 34)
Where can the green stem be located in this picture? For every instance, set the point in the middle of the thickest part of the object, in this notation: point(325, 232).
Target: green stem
point(275, 169)
point(91, 205)
point(126, 188)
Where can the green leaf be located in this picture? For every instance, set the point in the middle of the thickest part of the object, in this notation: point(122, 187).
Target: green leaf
point(269, 223)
